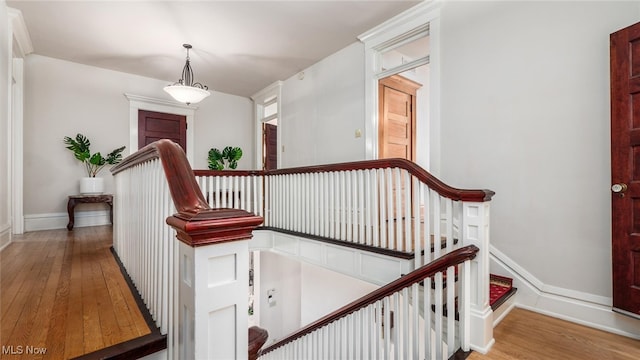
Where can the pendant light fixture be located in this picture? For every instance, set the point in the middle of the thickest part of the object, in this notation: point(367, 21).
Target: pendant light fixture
point(185, 90)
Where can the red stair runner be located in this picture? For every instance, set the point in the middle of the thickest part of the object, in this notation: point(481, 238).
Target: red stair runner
point(498, 287)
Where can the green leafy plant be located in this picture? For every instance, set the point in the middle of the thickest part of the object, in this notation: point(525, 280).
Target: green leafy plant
point(227, 158)
point(93, 162)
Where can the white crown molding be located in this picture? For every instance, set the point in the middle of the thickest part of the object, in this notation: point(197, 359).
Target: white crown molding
point(20, 32)
point(272, 89)
point(156, 101)
point(402, 23)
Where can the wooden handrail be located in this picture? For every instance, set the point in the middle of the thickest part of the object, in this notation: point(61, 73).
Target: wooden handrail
point(186, 194)
point(196, 222)
point(439, 265)
point(415, 170)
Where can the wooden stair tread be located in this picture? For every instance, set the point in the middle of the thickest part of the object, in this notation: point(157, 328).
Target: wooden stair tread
point(501, 289)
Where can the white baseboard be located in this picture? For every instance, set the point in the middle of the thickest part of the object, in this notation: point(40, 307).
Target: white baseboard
point(36, 222)
point(5, 236)
point(566, 304)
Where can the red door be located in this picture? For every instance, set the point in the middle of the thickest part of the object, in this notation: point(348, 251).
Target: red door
point(153, 126)
point(270, 143)
point(625, 169)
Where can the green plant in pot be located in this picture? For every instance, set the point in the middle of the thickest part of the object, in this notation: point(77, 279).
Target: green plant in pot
point(93, 163)
point(225, 159)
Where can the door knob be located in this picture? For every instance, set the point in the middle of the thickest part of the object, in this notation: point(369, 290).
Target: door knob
point(619, 188)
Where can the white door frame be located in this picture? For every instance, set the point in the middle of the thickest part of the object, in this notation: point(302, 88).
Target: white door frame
point(137, 102)
point(416, 21)
point(259, 100)
point(21, 47)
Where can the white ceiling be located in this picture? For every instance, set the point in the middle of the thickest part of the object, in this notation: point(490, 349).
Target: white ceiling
point(239, 47)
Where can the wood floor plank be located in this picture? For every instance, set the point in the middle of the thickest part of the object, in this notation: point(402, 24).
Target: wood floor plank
point(18, 319)
point(63, 291)
point(15, 276)
point(74, 336)
point(526, 335)
point(126, 318)
point(58, 321)
point(43, 316)
point(107, 317)
point(40, 262)
point(91, 317)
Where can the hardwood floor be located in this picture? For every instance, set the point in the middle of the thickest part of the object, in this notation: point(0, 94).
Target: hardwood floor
point(62, 292)
point(526, 335)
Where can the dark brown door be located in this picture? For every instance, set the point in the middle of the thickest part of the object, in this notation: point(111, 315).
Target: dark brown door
point(625, 168)
point(153, 126)
point(270, 142)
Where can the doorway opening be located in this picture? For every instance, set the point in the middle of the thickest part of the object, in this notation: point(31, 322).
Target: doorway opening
point(268, 126)
point(153, 126)
point(403, 101)
point(270, 145)
point(406, 45)
point(137, 103)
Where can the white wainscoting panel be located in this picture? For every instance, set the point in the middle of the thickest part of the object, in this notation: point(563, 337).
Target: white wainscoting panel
point(285, 244)
point(374, 266)
point(214, 283)
point(364, 265)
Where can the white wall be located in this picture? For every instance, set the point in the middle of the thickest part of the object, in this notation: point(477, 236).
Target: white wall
point(303, 293)
point(324, 291)
point(63, 98)
point(283, 275)
point(224, 120)
point(5, 150)
point(525, 112)
point(322, 111)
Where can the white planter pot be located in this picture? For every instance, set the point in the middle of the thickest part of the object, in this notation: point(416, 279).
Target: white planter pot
point(91, 186)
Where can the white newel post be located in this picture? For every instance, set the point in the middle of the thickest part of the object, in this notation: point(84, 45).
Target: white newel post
point(213, 284)
point(475, 227)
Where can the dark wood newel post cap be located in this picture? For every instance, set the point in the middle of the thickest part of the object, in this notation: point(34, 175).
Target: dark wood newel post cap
point(213, 226)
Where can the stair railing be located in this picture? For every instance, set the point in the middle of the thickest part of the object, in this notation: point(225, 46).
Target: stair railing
point(189, 283)
point(393, 322)
point(391, 205)
point(388, 203)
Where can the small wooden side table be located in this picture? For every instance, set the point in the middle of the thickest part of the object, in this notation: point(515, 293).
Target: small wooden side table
point(88, 199)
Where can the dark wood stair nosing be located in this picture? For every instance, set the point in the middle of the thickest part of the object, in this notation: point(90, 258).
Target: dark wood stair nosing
point(501, 300)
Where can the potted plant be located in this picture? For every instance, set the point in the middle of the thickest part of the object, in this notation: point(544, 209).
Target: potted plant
point(94, 163)
point(227, 158)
